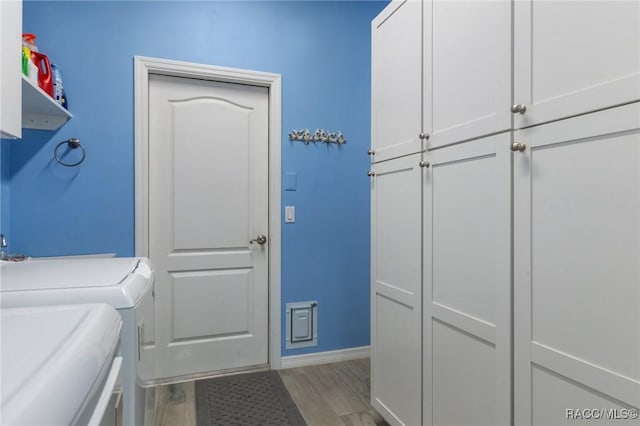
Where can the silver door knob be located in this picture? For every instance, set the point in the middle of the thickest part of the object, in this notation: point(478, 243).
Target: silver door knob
point(260, 239)
point(423, 163)
point(424, 136)
point(517, 146)
point(371, 173)
point(371, 152)
point(518, 108)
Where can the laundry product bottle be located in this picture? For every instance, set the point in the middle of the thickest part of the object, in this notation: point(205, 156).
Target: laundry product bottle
point(58, 88)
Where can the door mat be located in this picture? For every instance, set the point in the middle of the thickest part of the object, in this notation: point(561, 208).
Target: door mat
point(246, 399)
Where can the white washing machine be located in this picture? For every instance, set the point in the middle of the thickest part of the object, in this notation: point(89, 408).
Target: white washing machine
point(124, 283)
point(59, 365)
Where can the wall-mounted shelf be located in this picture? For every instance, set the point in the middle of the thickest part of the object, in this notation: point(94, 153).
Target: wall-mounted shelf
point(39, 110)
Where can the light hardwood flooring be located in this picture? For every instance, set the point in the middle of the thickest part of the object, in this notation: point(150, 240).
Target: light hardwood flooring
point(329, 394)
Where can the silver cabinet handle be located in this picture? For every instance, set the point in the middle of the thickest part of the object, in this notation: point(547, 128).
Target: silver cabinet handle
point(371, 173)
point(518, 108)
point(371, 152)
point(424, 136)
point(260, 239)
point(517, 146)
point(423, 163)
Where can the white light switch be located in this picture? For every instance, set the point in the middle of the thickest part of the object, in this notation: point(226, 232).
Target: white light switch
point(289, 214)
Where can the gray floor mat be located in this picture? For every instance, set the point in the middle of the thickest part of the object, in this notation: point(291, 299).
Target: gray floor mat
point(246, 399)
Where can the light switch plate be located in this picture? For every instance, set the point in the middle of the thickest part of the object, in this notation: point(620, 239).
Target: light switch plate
point(289, 214)
point(290, 181)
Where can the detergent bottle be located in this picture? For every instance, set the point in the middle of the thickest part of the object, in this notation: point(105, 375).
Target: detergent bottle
point(45, 81)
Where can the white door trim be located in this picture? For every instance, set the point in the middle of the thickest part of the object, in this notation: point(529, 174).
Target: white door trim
point(143, 67)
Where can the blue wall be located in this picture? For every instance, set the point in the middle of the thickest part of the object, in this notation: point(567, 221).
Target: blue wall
point(322, 51)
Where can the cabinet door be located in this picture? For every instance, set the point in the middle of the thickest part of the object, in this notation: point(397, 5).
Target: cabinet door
point(576, 270)
point(467, 284)
point(396, 80)
point(10, 69)
point(396, 250)
point(467, 51)
point(574, 57)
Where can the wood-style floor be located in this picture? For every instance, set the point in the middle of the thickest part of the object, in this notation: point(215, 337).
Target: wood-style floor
point(328, 394)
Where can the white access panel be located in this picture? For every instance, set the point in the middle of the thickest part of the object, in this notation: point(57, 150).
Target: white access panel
point(396, 251)
point(467, 284)
point(576, 271)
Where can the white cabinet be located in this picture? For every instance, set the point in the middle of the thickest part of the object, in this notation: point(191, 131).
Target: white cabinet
point(441, 73)
point(576, 273)
point(531, 237)
point(467, 70)
point(467, 284)
point(10, 68)
point(574, 57)
point(396, 80)
point(396, 315)
point(22, 104)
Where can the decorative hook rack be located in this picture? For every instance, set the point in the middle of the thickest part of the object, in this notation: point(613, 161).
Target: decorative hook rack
point(320, 135)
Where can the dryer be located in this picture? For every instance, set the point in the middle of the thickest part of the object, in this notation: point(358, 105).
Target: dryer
point(124, 283)
point(59, 364)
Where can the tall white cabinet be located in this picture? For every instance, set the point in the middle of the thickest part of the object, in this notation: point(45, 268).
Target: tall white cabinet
point(396, 296)
point(576, 219)
point(522, 180)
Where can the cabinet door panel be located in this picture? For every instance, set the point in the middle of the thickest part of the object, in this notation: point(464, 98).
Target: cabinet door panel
point(577, 277)
point(574, 57)
point(467, 69)
point(396, 290)
point(467, 283)
point(396, 80)
point(10, 79)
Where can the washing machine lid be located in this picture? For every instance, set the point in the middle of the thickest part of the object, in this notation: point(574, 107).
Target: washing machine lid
point(52, 358)
point(120, 282)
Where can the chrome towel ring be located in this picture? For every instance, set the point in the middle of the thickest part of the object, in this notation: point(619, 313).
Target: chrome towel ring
point(72, 143)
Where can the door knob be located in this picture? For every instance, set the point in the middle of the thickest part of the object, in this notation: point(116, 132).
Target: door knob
point(518, 108)
point(260, 239)
point(517, 146)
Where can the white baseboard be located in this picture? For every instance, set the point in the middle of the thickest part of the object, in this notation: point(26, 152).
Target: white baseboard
point(325, 357)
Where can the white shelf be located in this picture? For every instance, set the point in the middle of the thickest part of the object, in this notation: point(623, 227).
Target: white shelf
point(39, 110)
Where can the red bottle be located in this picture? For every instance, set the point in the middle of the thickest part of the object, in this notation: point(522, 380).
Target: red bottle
point(45, 81)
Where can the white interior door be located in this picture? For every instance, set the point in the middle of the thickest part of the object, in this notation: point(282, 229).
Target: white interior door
point(467, 284)
point(573, 57)
point(208, 197)
point(576, 270)
point(396, 244)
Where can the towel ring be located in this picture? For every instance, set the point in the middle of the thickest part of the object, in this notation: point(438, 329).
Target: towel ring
point(72, 143)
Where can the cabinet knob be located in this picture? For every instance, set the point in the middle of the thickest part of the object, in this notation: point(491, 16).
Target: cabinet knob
point(518, 108)
point(517, 146)
point(260, 239)
point(424, 136)
point(371, 152)
point(423, 163)
point(371, 173)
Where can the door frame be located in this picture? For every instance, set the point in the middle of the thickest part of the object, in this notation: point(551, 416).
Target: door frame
point(143, 68)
